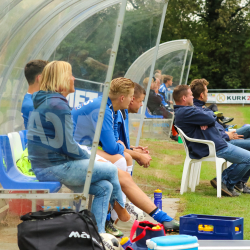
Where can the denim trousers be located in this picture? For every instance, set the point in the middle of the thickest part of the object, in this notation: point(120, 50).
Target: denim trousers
point(245, 144)
point(241, 164)
point(104, 184)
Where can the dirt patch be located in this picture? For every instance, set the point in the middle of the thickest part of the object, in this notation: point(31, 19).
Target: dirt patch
point(172, 160)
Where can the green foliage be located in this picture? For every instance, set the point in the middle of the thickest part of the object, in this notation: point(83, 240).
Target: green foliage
point(219, 31)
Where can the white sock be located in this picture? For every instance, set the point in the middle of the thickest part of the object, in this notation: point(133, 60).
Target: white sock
point(121, 164)
point(130, 169)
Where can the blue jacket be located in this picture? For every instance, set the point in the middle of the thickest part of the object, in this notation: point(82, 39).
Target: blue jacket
point(189, 119)
point(85, 118)
point(27, 108)
point(165, 91)
point(123, 127)
point(50, 132)
point(200, 105)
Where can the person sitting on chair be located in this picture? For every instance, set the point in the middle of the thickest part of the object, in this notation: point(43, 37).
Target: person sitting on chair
point(240, 137)
point(200, 124)
point(55, 155)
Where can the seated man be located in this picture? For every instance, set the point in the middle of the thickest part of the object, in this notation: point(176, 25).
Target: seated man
point(140, 154)
point(200, 124)
point(32, 72)
point(156, 103)
point(85, 119)
point(240, 138)
point(164, 88)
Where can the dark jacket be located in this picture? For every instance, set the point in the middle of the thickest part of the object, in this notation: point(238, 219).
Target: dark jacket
point(50, 132)
point(189, 119)
point(200, 105)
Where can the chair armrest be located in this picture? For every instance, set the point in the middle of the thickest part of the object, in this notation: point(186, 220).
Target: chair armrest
point(210, 144)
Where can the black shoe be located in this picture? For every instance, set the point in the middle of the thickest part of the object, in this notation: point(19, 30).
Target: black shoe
point(109, 228)
point(242, 187)
point(171, 226)
point(175, 138)
point(234, 193)
point(225, 190)
point(225, 120)
point(214, 183)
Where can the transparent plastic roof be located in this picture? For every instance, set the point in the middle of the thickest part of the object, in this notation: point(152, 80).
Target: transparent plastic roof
point(73, 31)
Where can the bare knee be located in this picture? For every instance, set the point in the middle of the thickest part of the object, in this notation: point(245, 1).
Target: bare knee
point(128, 158)
point(125, 179)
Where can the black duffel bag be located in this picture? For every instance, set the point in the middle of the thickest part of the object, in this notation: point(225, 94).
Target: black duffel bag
point(59, 230)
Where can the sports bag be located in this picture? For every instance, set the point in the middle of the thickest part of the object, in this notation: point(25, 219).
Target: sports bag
point(59, 230)
point(144, 231)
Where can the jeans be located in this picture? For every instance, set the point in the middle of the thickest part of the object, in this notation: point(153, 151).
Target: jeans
point(104, 184)
point(245, 144)
point(241, 164)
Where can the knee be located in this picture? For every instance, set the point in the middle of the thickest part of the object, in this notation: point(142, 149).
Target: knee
point(128, 158)
point(105, 188)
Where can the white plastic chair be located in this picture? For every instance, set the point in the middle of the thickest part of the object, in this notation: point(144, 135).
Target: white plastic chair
point(191, 169)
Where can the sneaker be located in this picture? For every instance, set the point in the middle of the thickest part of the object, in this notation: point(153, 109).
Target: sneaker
point(109, 228)
point(124, 226)
point(171, 226)
point(225, 120)
point(227, 192)
point(242, 187)
point(214, 183)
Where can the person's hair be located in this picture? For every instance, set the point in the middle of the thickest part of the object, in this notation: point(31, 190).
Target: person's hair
point(198, 86)
point(34, 68)
point(179, 92)
point(166, 78)
point(157, 71)
point(145, 81)
point(120, 86)
point(56, 76)
point(158, 75)
point(139, 90)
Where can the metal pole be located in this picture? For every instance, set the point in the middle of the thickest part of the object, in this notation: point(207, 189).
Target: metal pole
point(151, 73)
point(105, 97)
point(183, 67)
point(189, 65)
point(243, 93)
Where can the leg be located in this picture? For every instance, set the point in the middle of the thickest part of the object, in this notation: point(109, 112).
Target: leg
point(244, 131)
point(241, 159)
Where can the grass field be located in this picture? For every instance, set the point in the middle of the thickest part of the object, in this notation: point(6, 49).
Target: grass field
point(165, 173)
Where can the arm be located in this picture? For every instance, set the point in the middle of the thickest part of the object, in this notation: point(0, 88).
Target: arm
point(142, 159)
point(107, 138)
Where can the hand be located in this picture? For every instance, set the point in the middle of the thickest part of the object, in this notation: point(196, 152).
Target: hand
point(142, 150)
point(234, 136)
point(204, 127)
point(121, 142)
point(170, 102)
point(145, 160)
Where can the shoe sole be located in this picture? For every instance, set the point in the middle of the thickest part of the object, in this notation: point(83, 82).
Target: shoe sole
point(226, 192)
point(239, 189)
point(213, 183)
point(228, 121)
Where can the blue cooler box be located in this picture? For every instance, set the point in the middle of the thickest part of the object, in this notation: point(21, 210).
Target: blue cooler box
point(173, 242)
point(210, 227)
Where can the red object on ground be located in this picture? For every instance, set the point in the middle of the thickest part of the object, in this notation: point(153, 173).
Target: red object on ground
point(174, 133)
point(23, 206)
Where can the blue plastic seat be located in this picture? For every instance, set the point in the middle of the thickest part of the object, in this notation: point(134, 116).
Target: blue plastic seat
point(11, 178)
point(148, 115)
point(24, 140)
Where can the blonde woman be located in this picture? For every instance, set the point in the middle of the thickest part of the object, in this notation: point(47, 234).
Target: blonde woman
point(54, 154)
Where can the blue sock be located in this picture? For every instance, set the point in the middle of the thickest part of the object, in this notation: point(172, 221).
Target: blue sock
point(160, 216)
point(108, 216)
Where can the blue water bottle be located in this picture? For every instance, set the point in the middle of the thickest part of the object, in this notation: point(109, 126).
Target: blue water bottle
point(158, 198)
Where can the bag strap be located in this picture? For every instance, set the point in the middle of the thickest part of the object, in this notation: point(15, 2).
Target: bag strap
point(133, 229)
point(40, 215)
point(95, 228)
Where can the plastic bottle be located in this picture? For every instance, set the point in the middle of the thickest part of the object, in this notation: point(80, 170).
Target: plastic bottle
point(125, 242)
point(158, 198)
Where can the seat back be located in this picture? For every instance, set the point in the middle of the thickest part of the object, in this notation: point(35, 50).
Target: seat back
point(149, 115)
point(24, 140)
point(12, 178)
point(183, 137)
